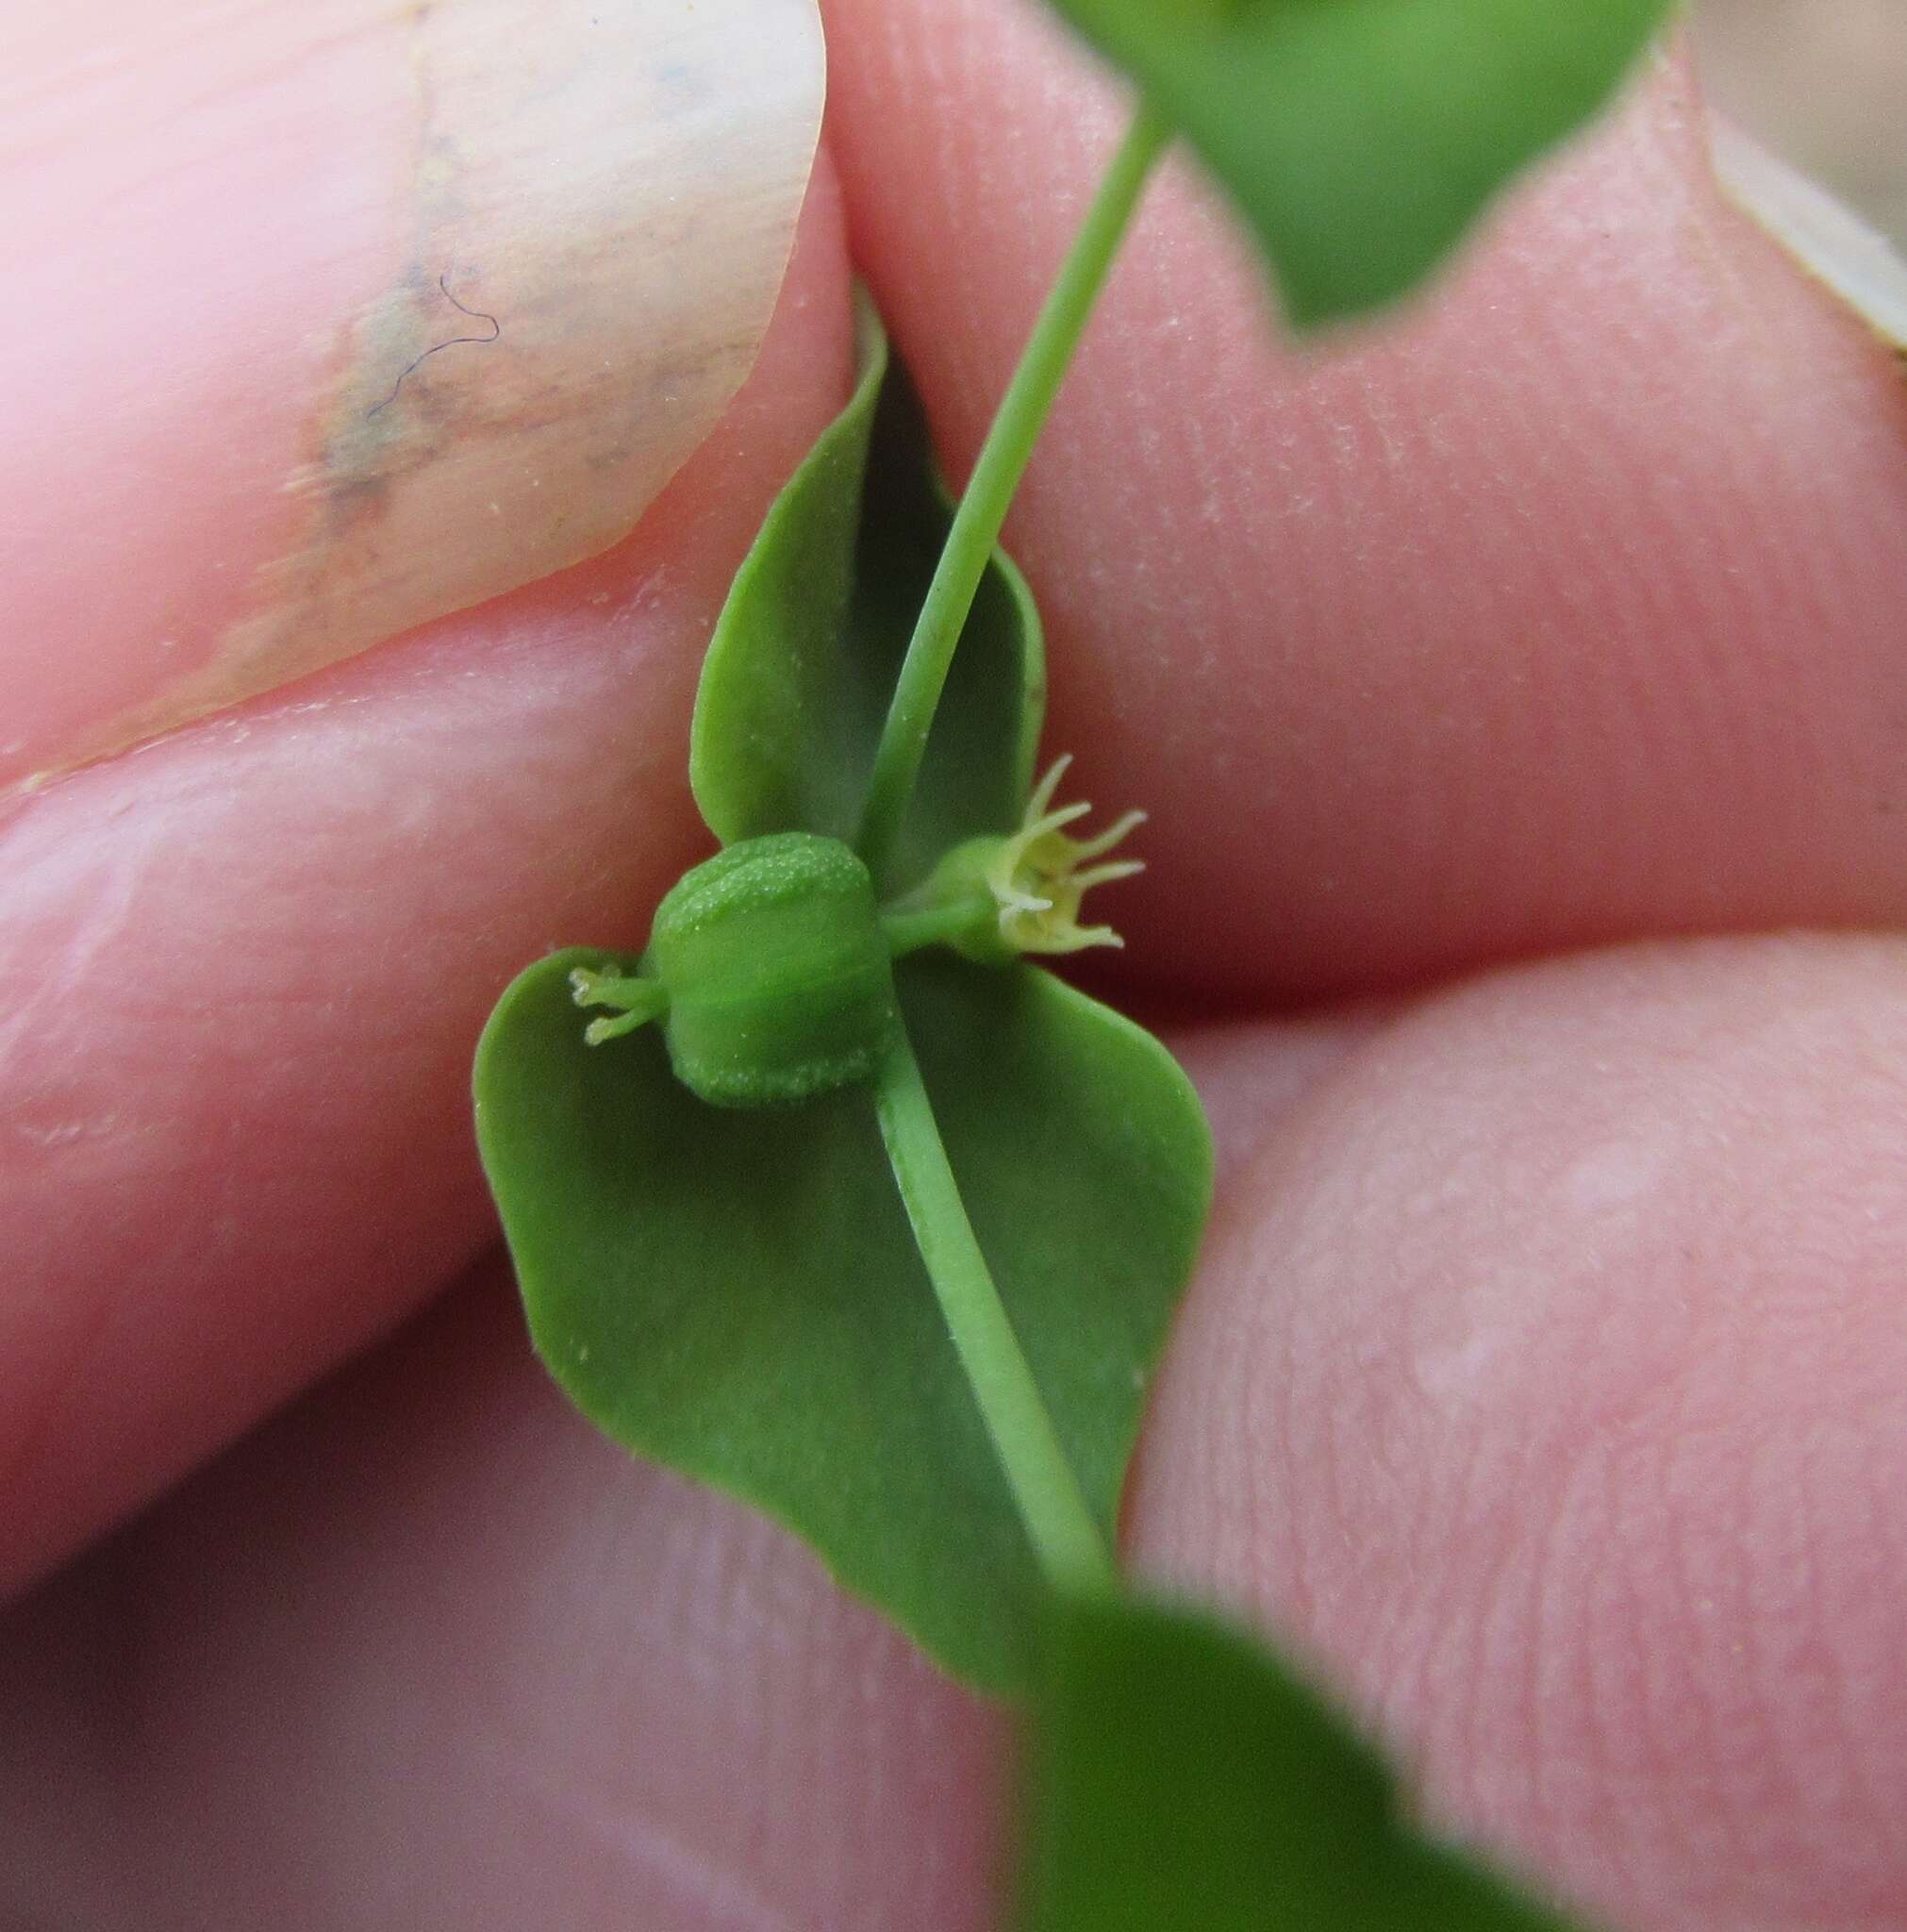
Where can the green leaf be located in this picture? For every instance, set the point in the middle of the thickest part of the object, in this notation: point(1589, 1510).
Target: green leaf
point(1183, 1776)
point(1361, 137)
point(805, 658)
point(738, 1296)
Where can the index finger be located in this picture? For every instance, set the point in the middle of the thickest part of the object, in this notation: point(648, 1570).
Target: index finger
point(1565, 606)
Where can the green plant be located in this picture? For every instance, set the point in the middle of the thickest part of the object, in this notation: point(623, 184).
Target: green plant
point(842, 1204)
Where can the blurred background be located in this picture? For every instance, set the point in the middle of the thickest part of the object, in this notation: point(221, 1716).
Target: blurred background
point(1822, 82)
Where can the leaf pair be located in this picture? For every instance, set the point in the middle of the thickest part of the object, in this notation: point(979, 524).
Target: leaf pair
point(738, 1293)
point(1361, 137)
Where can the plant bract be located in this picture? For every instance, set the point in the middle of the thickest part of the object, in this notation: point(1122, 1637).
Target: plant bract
point(1361, 137)
point(1182, 1775)
point(738, 1293)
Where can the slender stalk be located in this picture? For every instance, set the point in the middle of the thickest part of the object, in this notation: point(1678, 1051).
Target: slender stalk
point(638, 999)
point(908, 931)
point(1060, 1525)
point(996, 474)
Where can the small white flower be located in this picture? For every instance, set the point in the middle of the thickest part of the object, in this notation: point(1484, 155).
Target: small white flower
point(1036, 878)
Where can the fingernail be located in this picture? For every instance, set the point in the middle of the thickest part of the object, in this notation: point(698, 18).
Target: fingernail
point(1840, 250)
point(342, 316)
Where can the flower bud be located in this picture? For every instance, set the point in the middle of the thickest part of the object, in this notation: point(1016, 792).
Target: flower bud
point(779, 980)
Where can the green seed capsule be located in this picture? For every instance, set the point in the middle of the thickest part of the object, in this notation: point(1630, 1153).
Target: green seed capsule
point(779, 981)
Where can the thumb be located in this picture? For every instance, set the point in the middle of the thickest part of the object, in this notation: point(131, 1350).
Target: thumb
point(340, 317)
point(242, 971)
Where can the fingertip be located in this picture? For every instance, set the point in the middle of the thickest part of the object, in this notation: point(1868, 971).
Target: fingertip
point(244, 969)
point(1543, 1385)
point(428, 1637)
point(1560, 606)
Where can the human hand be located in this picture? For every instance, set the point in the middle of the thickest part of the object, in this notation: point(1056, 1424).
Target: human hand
point(1543, 1377)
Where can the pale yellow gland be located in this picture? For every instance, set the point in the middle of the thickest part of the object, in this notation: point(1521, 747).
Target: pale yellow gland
point(1039, 875)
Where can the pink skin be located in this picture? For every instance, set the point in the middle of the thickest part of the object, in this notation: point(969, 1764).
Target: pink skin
point(1482, 640)
point(335, 881)
point(1544, 1377)
point(158, 273)
point(228, 295)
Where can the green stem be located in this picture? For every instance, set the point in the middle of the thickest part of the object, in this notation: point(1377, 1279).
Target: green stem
point(907, 932)
point(1058, 1522)
point(996, 474)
